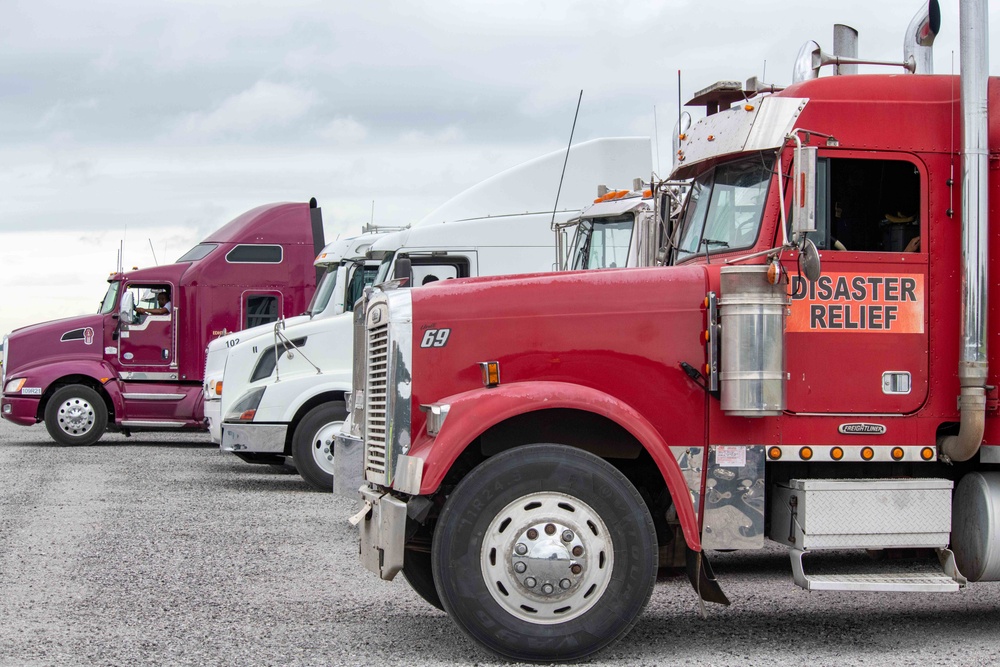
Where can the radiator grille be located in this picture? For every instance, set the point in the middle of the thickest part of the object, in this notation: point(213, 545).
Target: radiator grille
point(375, 403)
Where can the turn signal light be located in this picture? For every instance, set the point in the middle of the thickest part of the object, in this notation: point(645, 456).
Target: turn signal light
point(837, 453)
point(806, 453)
point(774, 453)
point(896, 453)
point(748, 107)
point(218, 388)
point(491, 373)
point(867, 453)
point(927, 453)
point(247, 415)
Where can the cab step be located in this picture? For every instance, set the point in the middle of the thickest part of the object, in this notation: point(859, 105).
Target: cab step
point(949, 580)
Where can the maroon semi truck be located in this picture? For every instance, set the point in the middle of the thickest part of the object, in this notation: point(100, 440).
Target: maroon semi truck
point(127, 369)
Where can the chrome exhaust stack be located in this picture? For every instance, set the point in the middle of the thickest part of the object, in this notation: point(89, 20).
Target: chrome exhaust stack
point(920, 36)
point(972, 362)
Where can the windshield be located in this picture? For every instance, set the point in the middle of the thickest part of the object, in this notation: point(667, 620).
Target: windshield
point(110, 299)
point(327, 284)
point(724, 207)
point(602, 243)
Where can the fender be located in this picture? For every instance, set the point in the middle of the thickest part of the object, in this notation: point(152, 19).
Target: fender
point(44, 375)
point(471, 413)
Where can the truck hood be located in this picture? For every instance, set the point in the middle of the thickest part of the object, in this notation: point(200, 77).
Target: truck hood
point(73, 337)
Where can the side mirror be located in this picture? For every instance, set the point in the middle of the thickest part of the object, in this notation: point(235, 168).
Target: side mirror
point(403, 270)
point(803, 192)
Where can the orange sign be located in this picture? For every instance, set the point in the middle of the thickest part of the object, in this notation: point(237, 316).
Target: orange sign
point(856, 302)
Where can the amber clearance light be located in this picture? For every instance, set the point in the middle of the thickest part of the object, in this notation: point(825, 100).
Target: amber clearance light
point(806, 453)
point(491, 373)
point(896, 453)
point(927, 453)
point(867, 453)
point(837, 453)
point(774, 453)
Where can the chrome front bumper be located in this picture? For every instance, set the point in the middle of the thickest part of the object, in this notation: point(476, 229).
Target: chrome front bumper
point(255, 438)
point(382, 523)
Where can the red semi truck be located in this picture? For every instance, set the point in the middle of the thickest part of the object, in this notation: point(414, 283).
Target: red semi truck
point(530, 449)
point(126, 369)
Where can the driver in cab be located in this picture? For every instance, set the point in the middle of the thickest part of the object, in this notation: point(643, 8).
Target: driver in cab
point(163, 299)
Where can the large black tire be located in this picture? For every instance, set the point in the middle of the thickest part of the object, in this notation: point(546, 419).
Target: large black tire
point(545, 552)
point(312, 444)
point(419, 574)
point(76, 415)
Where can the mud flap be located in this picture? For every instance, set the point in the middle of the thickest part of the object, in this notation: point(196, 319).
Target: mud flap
point(699, 572)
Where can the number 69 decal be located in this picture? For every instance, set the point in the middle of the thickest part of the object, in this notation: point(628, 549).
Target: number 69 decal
point(435, 338)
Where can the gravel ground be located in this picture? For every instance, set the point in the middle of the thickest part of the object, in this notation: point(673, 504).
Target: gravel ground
point(160, 549)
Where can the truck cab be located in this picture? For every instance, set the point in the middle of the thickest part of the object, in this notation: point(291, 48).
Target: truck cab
point(137, 363)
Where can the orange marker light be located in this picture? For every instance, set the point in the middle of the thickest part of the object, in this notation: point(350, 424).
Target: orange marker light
point(646, 194)
point(218, 388)
point(837, 453)
point(867, 453)
point(806, 453)
point(927, 453)
point(896, 453)
point(491, 373)
point(774, 453)
point(748, 107)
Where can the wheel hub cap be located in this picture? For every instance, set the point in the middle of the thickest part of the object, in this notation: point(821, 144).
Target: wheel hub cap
point(322, 448)
point(76, 416)
point(547, 557)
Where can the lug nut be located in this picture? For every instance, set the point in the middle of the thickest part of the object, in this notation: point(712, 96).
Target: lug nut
point(550, 529)
point(547, 589)
point(567, 536)
point(576, 569)
point(532, 534)
point(520, 567)
point(521, 548)
point(578, 551)
point(530, 582)
point(564, 584)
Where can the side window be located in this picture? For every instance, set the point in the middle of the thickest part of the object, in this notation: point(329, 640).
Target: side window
point(870, 205)
point(255, 254)
point(260, 309)
point(427, 269)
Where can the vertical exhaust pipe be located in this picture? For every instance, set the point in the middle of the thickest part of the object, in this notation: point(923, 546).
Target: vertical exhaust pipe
point(972, 361)
point(920, 36)
point(845, 43)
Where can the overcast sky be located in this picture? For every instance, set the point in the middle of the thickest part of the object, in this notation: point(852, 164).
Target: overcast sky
point(156, 122)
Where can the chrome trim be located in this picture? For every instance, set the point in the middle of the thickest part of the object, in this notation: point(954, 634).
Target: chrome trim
point(409, 474)
point(690, 460)
point(383, 533)
point(153, 397)
point(257, 438)
point(734, 498)
point(387, 391)
point(152, 423)
point(138, 375)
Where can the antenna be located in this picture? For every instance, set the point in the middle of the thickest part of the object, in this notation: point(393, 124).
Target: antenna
point(566, 160)
point(763, 74)
point(372, 222)
point(153, 251)
point(656, 140)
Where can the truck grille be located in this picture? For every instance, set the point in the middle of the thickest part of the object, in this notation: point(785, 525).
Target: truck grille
point(375, 403)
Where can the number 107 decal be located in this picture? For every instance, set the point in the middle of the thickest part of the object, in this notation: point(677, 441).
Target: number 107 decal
point(435, 338)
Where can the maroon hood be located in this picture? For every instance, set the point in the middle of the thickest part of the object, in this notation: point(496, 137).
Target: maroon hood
point(41, 343)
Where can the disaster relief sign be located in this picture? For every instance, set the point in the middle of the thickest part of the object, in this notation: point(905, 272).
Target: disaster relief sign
point(857, 302)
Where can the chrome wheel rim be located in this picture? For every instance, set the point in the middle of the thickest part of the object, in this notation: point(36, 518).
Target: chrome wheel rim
point(76, 417)
point(322, 446)
point(547, 558)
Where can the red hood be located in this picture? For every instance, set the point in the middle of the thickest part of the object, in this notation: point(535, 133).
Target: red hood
point(41, 343)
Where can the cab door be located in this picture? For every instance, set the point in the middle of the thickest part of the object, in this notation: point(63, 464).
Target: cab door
point(857, 339)
point(146, 341)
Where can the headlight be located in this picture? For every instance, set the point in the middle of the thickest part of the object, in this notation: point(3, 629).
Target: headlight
point(14, 385)
point(245, 408)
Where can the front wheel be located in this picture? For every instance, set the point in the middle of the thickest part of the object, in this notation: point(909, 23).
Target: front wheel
point(545, 552)
point(76, 415)
point(312, 444)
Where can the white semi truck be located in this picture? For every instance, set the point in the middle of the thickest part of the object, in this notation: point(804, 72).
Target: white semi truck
point(287, 398)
